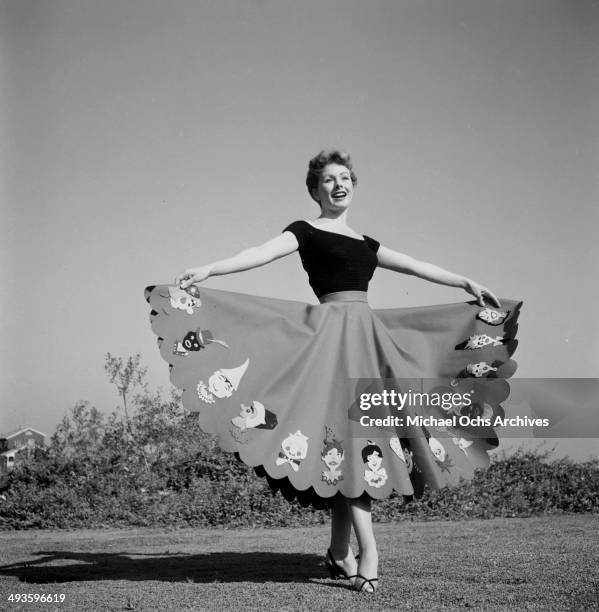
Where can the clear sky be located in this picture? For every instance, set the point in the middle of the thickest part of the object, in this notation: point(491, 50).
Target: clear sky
point(141, 137)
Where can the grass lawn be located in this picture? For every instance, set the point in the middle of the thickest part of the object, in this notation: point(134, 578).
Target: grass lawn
point(541, 563)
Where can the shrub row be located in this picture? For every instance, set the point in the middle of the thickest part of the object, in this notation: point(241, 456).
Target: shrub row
point(212, 488)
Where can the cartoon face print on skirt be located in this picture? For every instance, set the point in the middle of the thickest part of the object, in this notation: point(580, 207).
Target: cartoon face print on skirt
point(462, 444)
point(185, 299)
point(492, 317)
point(480, 369)
point(222, 383)
point(295, 448)
point(442, 459)
point(195, 341)
point(437, 449)
point(374, 472)
point(255, 416)
point(332, 456)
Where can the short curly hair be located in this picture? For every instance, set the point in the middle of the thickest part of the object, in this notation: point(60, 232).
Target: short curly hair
point(317, 164)
point(329, 445)
point(370, 449)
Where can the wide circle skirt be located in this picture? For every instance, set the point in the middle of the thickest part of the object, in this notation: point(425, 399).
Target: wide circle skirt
point(338, 397)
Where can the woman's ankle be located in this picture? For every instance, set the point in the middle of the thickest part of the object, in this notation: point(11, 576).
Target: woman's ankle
point(369, 552)
point(340, 553)
point(368, 562)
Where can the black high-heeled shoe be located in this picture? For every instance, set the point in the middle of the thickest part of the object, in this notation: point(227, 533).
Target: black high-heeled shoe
point(334, 568)
point(365, 581)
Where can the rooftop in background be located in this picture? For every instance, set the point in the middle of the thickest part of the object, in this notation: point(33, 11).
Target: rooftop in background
point(16, 432)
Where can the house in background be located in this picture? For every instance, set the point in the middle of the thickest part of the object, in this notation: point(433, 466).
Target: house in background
point(17, 443)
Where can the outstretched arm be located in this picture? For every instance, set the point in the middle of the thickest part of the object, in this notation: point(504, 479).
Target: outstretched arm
point(399, 262)
point(247, 259)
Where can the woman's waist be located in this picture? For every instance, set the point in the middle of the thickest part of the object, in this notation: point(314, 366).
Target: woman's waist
point(344, 296)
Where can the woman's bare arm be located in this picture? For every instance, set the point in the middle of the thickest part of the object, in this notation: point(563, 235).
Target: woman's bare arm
point(399, 262)
point(247, 259)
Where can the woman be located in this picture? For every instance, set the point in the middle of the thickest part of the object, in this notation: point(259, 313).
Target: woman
point(298, 370)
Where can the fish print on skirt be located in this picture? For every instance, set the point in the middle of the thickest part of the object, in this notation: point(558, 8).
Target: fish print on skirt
point(492, 317)
point(481, 340)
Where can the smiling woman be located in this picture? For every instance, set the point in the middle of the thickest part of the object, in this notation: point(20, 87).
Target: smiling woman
point(330, 177)
point(281, 387)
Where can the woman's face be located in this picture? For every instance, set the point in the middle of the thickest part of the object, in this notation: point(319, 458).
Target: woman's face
point(335, 188)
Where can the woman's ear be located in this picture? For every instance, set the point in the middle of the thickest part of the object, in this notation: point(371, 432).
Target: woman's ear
point(314, 194)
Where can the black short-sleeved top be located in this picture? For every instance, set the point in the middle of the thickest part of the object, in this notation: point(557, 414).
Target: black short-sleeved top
point(334, 262)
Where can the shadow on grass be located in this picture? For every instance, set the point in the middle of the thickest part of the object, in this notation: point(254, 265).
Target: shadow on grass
point(260, 567)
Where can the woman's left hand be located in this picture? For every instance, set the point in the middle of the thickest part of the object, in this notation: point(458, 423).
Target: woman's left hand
point(481, 293)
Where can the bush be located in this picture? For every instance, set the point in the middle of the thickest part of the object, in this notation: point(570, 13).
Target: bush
point(156, 467)
point(211, 488)
point(524, 484)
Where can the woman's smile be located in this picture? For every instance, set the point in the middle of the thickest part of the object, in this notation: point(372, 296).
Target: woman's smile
point(335, 186)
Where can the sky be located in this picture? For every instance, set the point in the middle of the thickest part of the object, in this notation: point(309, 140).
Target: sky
point(139, 138)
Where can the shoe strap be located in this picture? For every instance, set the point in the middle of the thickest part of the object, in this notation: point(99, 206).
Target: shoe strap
point(330, 560)
point(365, 580)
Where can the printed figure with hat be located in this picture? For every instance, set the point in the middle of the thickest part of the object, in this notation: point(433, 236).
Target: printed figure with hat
point(222, 383)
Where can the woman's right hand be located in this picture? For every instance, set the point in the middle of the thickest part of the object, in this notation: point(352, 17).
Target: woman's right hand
point(192, 275)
